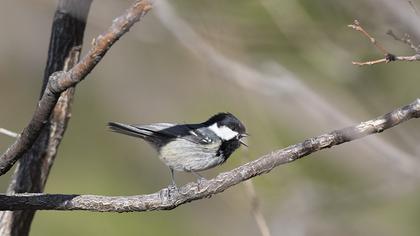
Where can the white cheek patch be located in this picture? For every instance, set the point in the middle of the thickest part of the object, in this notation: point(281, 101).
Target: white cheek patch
point(223, 132)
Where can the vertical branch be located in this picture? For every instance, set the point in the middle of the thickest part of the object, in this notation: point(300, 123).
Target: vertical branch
point(66, 33)
point(32, 170)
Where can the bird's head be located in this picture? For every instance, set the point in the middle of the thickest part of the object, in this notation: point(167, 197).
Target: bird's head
point(227, 127)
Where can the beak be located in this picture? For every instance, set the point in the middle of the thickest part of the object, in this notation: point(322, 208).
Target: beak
point(241, 137)
point(243, 143)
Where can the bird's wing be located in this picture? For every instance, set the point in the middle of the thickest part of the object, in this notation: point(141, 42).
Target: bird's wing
point(162, 132)
point(190, 132)
point(140, 131)
point(202, 136)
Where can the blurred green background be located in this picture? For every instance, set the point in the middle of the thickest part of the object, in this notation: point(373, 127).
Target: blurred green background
point(283, 67)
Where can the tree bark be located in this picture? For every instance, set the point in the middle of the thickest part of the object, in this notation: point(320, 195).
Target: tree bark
point(32, 170)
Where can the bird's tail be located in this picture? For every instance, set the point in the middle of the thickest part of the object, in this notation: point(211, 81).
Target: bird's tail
point(129, 130)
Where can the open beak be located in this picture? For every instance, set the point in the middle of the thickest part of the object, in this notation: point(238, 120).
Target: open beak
point(241, 137)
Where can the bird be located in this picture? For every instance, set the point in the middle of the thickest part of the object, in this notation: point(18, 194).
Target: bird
point(190, 147)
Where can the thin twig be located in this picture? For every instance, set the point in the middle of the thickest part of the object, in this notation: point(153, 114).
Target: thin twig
point(256, 209)
point(356, 26)
point(167, 199)
point(256, 205)
point(388, 56)
point(9, 133)
point(385, 60)
point(359, 63)
point(60, 81)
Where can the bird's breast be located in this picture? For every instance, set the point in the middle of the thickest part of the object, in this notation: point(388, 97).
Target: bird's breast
point(184, 155)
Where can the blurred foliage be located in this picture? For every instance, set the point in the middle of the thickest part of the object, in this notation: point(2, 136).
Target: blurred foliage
point(150, 76)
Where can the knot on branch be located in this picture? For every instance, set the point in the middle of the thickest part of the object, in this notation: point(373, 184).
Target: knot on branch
point(390, 57)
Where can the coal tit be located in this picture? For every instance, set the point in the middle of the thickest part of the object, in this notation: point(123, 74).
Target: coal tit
point(190, 147)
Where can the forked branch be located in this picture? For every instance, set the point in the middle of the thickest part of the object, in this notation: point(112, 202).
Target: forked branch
point(60, 81)
point(167, 199)
point(388, 57)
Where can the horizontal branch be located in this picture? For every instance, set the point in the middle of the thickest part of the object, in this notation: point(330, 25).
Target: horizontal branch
point(167, 199)
point(387, 60)
point(60, 81)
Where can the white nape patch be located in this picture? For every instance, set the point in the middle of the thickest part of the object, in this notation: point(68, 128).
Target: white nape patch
point(223, 132)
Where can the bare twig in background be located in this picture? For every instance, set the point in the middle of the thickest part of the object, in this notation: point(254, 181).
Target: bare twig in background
point(387, 59)
point(166, 199)
point(61, 81)
point(356, 26)
point(9, 133)
point(388, 56)
point(256, 209)
point(382, 60)
point(255, 204)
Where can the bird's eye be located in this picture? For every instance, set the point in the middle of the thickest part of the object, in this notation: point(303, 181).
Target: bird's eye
point(232, 127)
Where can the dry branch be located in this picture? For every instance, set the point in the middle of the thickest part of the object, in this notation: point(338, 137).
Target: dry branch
point(388, 57)
point(167, 199)
point(60, 81)
point(33, 168)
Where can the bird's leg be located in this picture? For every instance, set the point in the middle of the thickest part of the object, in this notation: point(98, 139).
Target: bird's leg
point(172, 186)
point(200, 178)
point(167, 193)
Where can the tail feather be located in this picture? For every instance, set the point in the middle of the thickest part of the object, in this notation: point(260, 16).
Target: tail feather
point(129, 130)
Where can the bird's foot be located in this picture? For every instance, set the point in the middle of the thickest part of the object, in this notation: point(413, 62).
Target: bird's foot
point(172, 187)
point(168, 192)
point(201, 179)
